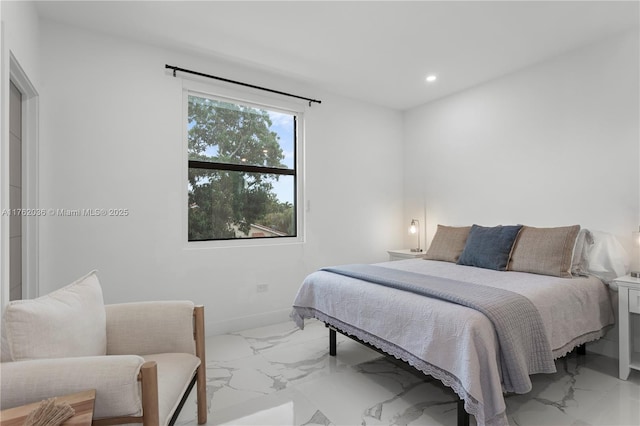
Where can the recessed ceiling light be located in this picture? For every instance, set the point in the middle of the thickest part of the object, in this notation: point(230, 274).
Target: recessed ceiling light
point(431, 78)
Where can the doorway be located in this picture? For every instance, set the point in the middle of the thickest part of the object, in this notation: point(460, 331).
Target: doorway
point(15, 193)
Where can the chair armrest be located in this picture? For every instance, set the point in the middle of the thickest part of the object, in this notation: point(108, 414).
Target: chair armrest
point(115, 379)
point(145, 328)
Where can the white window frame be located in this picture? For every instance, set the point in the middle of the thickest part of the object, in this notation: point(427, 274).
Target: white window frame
point(246, 97)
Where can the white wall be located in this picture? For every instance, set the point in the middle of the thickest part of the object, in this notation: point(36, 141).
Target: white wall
point(554, 144)
point(21, 35)
point(111, 137)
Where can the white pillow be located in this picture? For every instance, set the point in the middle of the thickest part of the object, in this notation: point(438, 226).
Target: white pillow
point(607, 259)
point(581, 253)
point(69, 322)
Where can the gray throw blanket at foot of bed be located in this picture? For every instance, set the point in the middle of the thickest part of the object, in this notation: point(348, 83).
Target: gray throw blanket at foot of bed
point(524, 348)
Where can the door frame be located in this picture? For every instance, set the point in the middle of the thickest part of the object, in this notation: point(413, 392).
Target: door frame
point(13, 72)
point(30, 186)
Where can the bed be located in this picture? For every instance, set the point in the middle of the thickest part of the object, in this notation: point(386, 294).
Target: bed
point(456, 343)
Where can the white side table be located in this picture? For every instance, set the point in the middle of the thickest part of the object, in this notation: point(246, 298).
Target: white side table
point(628, 304)
point(405, 254)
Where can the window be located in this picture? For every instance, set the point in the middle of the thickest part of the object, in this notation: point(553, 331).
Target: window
point(242, 170)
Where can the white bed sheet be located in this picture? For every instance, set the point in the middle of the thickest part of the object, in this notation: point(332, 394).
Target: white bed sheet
point(453, 343)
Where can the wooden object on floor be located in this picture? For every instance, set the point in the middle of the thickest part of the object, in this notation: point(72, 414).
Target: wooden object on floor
point(81, 402)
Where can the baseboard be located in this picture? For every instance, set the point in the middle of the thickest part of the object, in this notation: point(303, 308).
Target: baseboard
point(244, 323)
point(604, 347)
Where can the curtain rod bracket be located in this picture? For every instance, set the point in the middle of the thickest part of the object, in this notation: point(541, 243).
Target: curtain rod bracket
point(174, 68)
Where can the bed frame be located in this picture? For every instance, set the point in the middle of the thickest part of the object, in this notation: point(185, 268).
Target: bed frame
point(463, 416)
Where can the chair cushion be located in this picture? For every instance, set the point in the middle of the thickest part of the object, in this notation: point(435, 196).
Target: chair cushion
point(68, 322)
point(175, 371)
point(115, 379)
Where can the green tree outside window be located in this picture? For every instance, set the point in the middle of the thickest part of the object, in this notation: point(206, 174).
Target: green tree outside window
point(239, 185)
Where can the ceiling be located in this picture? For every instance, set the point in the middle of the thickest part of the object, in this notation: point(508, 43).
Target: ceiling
point(375, 51)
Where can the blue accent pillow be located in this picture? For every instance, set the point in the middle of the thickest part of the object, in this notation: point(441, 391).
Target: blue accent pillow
point(489, 247)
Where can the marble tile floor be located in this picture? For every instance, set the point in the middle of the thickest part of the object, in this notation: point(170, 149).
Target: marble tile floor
point(280, 375)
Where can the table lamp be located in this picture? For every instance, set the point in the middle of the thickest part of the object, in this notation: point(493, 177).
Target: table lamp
point(635, 254)
point(414, 228)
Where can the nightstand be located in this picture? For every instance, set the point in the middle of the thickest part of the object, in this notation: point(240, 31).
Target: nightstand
point(405, 254)
point(628, 304)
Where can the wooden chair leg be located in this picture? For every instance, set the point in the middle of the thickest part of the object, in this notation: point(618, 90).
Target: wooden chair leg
point(202, 369)
point(149, 383)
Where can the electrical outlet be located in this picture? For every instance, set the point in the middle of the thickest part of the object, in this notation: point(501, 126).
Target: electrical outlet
point(262, 288)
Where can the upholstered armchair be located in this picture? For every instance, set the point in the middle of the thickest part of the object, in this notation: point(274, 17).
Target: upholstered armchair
point(142, 359)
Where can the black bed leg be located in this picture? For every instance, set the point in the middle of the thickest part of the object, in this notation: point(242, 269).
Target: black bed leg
point(463, 416)
point(582, 349)
point(332, 342)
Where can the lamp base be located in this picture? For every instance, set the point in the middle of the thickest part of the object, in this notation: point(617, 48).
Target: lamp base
point(635, 274)
point(417, 250)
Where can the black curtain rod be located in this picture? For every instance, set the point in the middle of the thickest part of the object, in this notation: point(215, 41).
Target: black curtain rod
point(239, 83)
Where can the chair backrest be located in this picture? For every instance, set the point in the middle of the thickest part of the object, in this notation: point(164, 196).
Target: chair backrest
point(144, 328)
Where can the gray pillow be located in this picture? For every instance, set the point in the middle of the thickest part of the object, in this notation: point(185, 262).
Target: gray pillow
point(545, 251)
point(448, 243)
point(489, 247)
